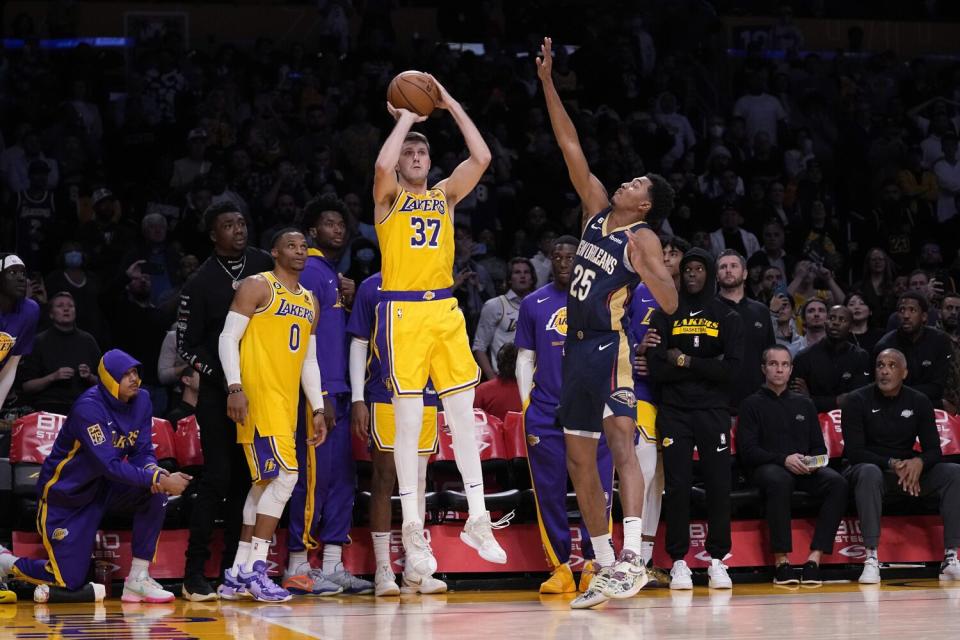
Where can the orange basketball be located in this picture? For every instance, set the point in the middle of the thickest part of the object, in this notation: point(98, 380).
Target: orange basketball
point(414, 91)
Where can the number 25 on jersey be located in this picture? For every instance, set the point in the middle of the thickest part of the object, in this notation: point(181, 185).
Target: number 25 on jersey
point(581, 282)
point(426, 231)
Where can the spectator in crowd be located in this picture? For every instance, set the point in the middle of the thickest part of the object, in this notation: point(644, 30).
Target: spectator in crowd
point(193, 165)
point(138, 328)
point(784, 321)
point(881, 424)
point(950, 324)
point(472, 284)
point(920, 281)
point(774, 237)
point(950, 315)
point(84, 286)
point(107, 236)
point(927, 350)
point(731, 236)
point(498, 318)
point(813, 315)
point(918, 184)
point(760, 110)
point(161, 259)
point(541, 260)
point(832, 367)
point(63, 362)
point(285, 214)
point(34, 213)
point(812, 280)
point(778, 436)
point(947, 170)
point(755, 319)
point(18, 158)
point(501, 394)
point(877, 286)
point(862, 332)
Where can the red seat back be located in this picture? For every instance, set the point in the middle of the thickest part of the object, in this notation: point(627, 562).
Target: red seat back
point(949, 428)
point(733, 435)
point(33, 436)
point(832, 433)
point(488, 433)
point(164, 447)
point(514, 438)
point(189, 451)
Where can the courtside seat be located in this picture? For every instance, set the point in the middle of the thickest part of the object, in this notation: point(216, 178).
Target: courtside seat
point(6, 485)
point(514, 438)
point(164, 445)
point(361, 507)
point(187, 446)
point(490, 444)
point(498, 502)
point(31, 442)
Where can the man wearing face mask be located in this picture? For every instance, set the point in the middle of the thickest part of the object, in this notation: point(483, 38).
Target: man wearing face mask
point(86, 289)
point(834, 366)
point(701, 350)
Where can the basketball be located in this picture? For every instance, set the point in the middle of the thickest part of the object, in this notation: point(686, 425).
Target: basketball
point(414, 91)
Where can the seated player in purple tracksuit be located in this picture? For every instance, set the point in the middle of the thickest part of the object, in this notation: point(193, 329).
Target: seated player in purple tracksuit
point(102, 460)
point(541, 332)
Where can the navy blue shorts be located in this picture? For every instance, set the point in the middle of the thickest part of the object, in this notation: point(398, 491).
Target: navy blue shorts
point(597, 376)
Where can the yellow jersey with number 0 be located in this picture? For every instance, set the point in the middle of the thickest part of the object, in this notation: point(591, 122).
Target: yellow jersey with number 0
point(416, 242)
point(272, 352)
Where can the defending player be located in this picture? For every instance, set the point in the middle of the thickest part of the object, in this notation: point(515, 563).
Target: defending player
point(101, 460)
point(541, 332)
point(616, 251)
point(376, 423)
point(268, 349)
point(421, 333)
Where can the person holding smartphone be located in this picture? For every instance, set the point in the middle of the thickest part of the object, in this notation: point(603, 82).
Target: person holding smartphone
point(779, 440)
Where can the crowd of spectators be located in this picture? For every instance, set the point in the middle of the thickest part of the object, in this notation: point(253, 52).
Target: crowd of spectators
point(835, 174)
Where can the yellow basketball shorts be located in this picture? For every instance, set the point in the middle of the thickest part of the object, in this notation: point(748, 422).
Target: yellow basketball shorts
point(421, 339)
point(647, 421)
point(383, 428)
point(267, 455)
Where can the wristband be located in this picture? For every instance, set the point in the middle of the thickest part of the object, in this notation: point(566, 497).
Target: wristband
point(230, 392)
point(318, 412)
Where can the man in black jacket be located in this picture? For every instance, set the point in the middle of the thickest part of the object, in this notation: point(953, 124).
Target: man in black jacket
point(832, 367)
point(881, 423)
point(701, 349)
point(757, 325)
point(927, 350)
point(778, 432)
point(204, 302)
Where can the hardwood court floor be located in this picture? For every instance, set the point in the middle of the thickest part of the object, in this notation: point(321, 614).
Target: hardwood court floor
point(902, 610)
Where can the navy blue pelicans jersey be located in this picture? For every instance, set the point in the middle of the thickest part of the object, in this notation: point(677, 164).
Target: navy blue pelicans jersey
point(603, 280)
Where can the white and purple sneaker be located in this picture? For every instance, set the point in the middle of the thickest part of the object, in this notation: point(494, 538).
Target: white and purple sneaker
point(231, 588)
point(260, 586)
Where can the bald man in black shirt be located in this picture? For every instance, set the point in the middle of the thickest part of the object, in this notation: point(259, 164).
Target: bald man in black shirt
point(881, 423)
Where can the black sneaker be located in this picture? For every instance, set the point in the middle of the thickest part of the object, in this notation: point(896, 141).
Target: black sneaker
point(196, 588)
point(810, 574)
point(785, 574)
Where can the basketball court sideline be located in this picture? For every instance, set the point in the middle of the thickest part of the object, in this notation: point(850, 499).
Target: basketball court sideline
point(895, 609)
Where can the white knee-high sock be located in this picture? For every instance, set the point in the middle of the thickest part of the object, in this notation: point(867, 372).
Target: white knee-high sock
point(652, 472)
point(408, 418)
point(459, 410)
point(422, 487)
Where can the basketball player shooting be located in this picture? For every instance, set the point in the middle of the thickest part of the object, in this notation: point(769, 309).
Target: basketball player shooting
point(421, 333)
point(617, 250)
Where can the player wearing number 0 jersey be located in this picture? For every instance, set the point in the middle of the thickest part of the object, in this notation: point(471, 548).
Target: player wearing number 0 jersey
point(617, 250)
point(421, 332)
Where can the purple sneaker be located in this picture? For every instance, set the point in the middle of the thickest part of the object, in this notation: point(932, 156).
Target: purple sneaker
point(260, 586)
point(231, 588)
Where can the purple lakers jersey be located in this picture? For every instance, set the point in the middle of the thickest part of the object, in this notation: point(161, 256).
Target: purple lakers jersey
point(542, 328)
point(642, 306)
point(320, 276)
point(18, 328)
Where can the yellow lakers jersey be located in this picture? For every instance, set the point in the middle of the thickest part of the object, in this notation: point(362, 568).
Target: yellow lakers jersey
point(416, 241)
point(271, 357)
